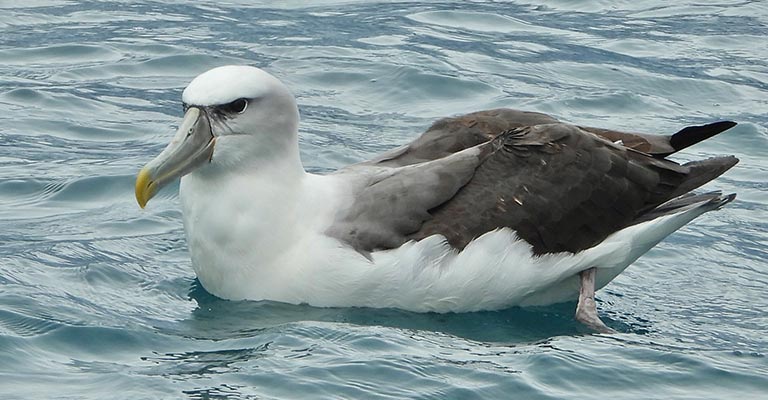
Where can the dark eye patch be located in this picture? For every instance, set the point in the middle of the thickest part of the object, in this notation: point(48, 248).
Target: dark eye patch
point(235, 107)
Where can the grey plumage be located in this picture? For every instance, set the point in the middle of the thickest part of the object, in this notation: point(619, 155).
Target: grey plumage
point(560, 187)
point(390, 203)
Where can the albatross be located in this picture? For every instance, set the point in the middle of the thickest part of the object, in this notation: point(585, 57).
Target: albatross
point(484, 211)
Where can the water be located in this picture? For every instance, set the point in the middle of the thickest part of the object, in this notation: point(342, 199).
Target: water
point(98, 300)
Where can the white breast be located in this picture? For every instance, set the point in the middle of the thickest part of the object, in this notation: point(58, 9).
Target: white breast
point(270, 245)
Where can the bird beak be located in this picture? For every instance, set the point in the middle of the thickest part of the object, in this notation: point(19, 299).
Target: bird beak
point(191, 147)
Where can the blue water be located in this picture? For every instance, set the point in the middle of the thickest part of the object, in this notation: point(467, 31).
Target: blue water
point(98, 299)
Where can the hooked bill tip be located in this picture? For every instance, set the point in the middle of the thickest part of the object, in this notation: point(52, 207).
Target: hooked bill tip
point(143, 187)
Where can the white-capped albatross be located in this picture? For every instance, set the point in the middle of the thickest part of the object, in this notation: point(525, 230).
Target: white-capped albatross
point(483, 211)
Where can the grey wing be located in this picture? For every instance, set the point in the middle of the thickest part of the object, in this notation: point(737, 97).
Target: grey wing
point(563, 189)
point(387, 204)
point(393, 194)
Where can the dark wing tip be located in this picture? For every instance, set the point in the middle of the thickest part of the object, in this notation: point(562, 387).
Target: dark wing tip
point(691, 135)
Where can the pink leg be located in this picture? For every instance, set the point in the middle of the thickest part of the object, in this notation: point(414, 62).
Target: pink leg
point(586, 311)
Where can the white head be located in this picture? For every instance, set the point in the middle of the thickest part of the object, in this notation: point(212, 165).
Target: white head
point(252, 114)
point(236, 117)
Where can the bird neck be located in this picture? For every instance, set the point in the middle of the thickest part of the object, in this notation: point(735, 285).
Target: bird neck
point(248, 214)
point(245, 178)
point(275, 155)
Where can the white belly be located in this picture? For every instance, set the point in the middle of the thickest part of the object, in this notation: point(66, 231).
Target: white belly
point(494, 272)
point(281, 254)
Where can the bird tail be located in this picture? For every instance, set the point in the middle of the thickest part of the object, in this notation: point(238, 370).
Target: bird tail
point(705, 201)
point(703, 171)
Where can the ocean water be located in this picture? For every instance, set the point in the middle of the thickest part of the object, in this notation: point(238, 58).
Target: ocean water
point(98, 299)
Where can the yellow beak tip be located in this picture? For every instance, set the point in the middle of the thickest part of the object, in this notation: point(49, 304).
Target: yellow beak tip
point(144, 187)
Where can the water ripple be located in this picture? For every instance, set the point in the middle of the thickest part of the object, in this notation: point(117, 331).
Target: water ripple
point(98, 299)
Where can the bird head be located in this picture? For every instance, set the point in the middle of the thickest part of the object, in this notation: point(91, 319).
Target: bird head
point(234, 116)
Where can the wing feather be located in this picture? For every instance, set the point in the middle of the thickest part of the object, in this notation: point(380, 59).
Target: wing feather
point(560, 187)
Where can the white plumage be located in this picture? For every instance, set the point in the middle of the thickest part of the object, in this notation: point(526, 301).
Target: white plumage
point(258, 225)
point(254, 243)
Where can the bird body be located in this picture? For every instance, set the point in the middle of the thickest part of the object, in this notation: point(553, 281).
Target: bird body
point(484, 211)
point(293, 260)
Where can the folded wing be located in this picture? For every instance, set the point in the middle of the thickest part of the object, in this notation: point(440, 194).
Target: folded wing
point(559, 186)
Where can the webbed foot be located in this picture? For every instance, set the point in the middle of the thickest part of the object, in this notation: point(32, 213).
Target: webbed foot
point(586, 310)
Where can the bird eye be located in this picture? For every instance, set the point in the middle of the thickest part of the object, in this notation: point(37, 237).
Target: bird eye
point(236, 107)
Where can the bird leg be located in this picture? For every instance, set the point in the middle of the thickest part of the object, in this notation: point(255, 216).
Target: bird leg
point(586, 311)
